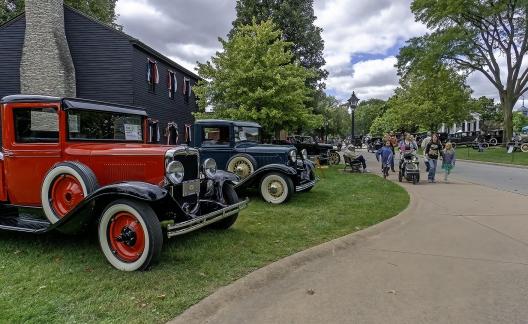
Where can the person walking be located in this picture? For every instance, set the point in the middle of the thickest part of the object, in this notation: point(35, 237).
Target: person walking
point(433, 151)
point(424, 145)
point(448, 160)
point(393, 143)
point(407, 146)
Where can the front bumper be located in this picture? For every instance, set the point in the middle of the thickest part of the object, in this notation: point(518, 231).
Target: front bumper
point(305, 173)
point(204, 220)
point(305, 186)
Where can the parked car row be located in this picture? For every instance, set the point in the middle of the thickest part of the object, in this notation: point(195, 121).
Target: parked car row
point(324, 153)
point(69, 165)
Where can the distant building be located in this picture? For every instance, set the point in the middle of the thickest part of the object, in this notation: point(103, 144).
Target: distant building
point(524, 110)
point(472, 125)
point(59, 51)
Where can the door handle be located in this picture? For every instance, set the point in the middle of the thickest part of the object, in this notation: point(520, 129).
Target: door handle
point(8, 153)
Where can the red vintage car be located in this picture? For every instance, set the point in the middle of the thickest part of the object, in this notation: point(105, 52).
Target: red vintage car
point(69, 163)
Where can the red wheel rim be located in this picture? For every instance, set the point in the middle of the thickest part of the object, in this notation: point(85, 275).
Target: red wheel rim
point(66, 193)
point(126, 237)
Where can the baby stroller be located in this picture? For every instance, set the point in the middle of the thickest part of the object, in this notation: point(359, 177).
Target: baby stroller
point(409, 168)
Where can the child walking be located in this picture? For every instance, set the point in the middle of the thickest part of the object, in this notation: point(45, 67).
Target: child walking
point(449, 160)
point(387, 158)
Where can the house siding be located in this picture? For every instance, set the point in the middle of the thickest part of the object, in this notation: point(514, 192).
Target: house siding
point(11, 43)
point(102, 59)
point(109, 67)
point(158, 104)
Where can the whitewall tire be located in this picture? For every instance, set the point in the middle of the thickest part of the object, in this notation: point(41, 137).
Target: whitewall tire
point(276, 188)
point(130, 235)
point(65, 186)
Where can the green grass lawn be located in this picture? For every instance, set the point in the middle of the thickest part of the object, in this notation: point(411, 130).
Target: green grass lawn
point(493, 154)
point(56, 278)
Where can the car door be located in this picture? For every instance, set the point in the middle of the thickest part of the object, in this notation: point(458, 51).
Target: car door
point(31, 148)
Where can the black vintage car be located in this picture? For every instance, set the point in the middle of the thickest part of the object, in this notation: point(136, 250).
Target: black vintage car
point(326, 153)
point(277, 171)
point(463, 138)
point(374, 144)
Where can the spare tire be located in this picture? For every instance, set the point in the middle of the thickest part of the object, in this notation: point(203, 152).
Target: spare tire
point(242, 165)
point(64, 187)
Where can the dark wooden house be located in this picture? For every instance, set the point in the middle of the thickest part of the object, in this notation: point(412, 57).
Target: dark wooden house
point(109, 66)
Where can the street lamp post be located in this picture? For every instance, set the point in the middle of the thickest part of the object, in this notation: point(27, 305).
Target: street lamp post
point(352, 103)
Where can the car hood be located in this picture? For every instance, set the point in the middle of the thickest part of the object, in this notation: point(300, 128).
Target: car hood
point(266, 148)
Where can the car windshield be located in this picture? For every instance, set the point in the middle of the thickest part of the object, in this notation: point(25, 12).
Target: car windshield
point(104, 126)
point(251, 134)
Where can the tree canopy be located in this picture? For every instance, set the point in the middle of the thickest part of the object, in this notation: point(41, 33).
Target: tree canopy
point(426, 101)
point(296, 20)
point(253, 78)
point(102, 10)
point(366, 112)
point(485, 36)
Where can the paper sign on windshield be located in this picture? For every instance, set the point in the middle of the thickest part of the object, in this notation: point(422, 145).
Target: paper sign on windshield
point(133, 132)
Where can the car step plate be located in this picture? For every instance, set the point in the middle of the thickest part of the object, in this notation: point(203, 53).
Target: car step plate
point(191, 187)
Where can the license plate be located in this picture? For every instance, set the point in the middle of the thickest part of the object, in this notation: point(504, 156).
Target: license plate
point(191, 188)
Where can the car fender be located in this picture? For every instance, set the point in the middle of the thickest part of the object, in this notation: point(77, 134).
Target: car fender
point(257, 175)
point(83, 214)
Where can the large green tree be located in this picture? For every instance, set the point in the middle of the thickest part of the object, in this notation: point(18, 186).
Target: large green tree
point(485, 36)
point(366, 112)
point(426, 101)
point(253, 78)
point(490, 114)
point(296, 20)
point(103, 10)
point(519, 121)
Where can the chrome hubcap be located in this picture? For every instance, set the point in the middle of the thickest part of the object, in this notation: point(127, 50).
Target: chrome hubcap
point(276, 189)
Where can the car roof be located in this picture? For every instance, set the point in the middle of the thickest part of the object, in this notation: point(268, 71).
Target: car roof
point(76, 103)
point(227, 122)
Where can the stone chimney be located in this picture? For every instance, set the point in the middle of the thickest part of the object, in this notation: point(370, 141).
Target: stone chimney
point(46, 67)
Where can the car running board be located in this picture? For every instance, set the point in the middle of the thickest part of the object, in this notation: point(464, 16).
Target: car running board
point(24, 223)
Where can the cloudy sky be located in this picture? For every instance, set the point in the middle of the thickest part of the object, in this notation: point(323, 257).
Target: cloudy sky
point(361, 38)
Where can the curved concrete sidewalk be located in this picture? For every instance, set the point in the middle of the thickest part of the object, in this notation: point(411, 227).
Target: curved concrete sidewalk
point(457, 254)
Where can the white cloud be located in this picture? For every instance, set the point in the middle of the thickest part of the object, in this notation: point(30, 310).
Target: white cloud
point(371, 31)
point(361, 38)
point(370, 79)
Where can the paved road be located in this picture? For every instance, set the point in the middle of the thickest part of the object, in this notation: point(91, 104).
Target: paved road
point(458, 254)
point(499, 177)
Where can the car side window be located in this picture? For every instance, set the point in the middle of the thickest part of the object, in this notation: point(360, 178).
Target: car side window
point(36, 125)
point(215, 136)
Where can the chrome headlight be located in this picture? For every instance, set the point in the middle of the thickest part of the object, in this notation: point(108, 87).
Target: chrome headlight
point(175, 172)
point(304, 154)
point(293, 156)
point(209, 167)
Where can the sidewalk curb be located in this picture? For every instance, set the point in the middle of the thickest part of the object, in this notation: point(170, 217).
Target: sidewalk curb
point(203, 311)
point(517, 166)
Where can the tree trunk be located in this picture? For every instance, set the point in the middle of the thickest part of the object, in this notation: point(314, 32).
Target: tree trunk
point(507, 104)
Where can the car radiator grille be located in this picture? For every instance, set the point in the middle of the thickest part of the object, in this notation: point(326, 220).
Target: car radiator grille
point(190, 164)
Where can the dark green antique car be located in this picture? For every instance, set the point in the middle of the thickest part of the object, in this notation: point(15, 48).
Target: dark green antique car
point(277, 171)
